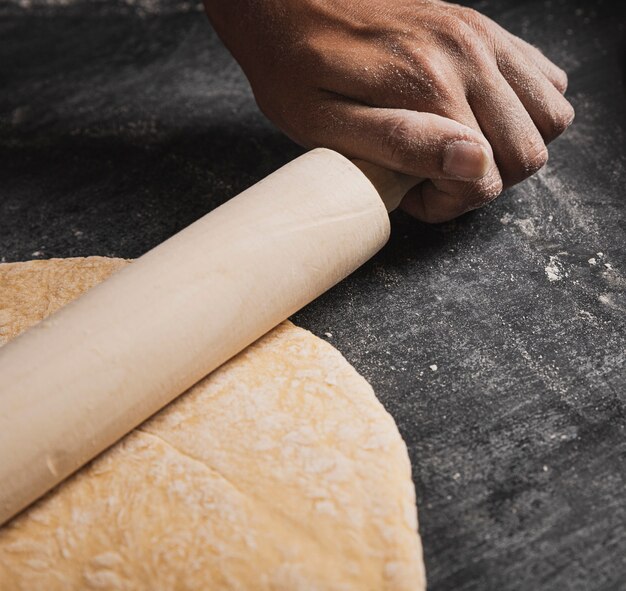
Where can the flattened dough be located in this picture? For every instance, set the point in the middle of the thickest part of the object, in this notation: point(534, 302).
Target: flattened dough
point(279, 471)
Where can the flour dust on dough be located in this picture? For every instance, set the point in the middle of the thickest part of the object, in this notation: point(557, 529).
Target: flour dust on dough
point(279, 471)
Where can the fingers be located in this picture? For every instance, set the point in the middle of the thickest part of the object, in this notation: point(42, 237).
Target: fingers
point(519, 111)
point(550, 70)
point(550, 111)
point(434, 202)
point(440, 200)
point(518, 147)
point(426, 203)
point(425, 145)
point(471, 120)
point(418, 144)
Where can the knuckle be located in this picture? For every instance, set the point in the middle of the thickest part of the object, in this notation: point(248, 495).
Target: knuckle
point(483, 191)
point(434, 80)
point(459, 36)
point(560, 121)
point(478, 22)
point(398, 140)
point(431, 69)
point(528, 159)
point(534, 159)
point(560, 80)
point(471, 16)
point(454, 23)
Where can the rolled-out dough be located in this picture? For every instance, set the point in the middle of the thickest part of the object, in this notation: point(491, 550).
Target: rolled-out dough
point(279, 471)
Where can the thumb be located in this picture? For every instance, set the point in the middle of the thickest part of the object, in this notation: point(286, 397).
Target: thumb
point(419, 144)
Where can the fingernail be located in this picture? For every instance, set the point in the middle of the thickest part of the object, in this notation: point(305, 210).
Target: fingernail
point(466, 160)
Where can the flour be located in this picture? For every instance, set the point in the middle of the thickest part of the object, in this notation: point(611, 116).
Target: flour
point(554, 269)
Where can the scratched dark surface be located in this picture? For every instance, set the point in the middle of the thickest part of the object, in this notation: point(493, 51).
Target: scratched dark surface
point(121, 123)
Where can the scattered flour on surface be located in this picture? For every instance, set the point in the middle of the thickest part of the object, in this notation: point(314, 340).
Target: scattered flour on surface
point(526, 225)
point(554, 269)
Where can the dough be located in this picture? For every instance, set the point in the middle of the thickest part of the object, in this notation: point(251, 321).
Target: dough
point(279, 471)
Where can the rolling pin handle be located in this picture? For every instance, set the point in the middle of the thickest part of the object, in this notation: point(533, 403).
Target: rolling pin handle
point(391, 186)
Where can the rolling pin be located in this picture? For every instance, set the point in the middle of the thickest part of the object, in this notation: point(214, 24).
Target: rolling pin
point(87, 375)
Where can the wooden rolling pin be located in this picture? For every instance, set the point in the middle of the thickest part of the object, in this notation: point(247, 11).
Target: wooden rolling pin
point(87, 375)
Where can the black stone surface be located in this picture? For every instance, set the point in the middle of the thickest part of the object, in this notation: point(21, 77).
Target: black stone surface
point(122, 122)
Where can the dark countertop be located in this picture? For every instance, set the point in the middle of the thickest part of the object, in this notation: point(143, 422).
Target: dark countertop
point(122, 122)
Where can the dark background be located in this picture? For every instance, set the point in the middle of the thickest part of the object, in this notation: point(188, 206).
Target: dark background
point(122, 122)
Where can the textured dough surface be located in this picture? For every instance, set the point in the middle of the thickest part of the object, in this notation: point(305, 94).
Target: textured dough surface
point(279, 471)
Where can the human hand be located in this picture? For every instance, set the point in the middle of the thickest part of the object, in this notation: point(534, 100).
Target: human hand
point(424, 87)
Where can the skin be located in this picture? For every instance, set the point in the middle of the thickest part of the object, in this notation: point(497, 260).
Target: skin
point(424, 87)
